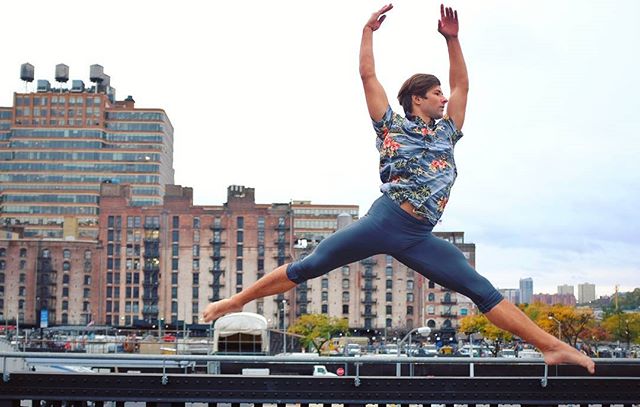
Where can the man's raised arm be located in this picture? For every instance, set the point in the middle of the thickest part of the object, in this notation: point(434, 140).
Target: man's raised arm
point(374, 93)
point(458, 78)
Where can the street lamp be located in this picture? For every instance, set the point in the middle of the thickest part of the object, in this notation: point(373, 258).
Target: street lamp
point(284, 326)
point(423, 330)
point(551, 317)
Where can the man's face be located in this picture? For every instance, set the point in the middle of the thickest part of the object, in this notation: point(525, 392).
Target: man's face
point(433, 103)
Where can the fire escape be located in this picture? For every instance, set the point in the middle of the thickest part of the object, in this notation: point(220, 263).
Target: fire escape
point(151, 272)
point(217, 257)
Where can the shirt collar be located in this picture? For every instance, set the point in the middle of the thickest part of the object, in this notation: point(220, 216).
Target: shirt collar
point(421, 123)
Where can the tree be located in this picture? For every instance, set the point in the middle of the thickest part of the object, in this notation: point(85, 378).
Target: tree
point(479, 323)
point(573, 322)
point(623, 326)
point(317, 329)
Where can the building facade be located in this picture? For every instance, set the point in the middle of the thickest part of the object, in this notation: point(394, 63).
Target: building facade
point(57, 145)
point(511, 294)
point(553, 299)
point(165, 263)
point(565, 289)
point(586, 293)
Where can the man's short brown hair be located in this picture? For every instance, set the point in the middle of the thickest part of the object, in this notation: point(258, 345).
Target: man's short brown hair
point(419, 84)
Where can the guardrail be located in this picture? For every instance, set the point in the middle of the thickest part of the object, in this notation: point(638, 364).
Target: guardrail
point(367, 380)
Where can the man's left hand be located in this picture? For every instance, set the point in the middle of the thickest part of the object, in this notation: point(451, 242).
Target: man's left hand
point(448, 23)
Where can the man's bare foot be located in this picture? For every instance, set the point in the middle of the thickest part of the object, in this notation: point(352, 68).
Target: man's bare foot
point(563, 353)
point(219, 308)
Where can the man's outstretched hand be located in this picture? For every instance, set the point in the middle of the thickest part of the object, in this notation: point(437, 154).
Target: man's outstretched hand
point(378, 17)
point(448, 23)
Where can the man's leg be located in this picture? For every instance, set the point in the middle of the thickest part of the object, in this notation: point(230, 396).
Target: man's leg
point(272, 283)
point(443, 263)
point(357, 241)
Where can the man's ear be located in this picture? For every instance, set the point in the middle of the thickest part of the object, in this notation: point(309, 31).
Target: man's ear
point(416, 100)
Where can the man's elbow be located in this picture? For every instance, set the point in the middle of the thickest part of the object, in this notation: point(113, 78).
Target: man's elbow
point(367, 74)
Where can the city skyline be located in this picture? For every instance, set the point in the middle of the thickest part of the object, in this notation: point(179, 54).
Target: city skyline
point(552, 206)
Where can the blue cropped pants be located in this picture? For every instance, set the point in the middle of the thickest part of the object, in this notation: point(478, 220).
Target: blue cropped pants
point(388, 229)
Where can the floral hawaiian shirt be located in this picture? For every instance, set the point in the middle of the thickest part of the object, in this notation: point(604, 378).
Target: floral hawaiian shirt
point(416, 161)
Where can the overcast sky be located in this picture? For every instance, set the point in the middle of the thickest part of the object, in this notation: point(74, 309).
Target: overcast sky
point(267, 95)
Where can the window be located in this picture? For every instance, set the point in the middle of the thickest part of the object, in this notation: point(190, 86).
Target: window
point(345, 271)
point(238, 279)
point(345, 308)
point(66, 253)
point(196, 264)
point(196, 222)
point(240, 222)
point(3, 252)
point(388, 322)
point(409, 284)
point(325, 283)
point(175, 236)
point(389, 284)
point(239, 248)
point(325, 308)
point(66, 266)
point(389, 296)
point(345, 296)
point(23, 264)
point(175, 250)
point(345, 283)
point(240, 236)
point(194, 292)
point(195, 279)
point(409, 309)
point(389, 309)
point(23, 252)
point(431, 297)
point(431, 284)
point(409, 297)
point(239, 264)
point(431, 310)
point(176, 222)
point(388, 271)
point(65, 278)
point(325, 296)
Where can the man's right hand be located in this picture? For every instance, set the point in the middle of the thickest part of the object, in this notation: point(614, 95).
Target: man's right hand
point(378, 17)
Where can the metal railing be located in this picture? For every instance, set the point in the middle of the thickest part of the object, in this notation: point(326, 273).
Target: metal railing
point(366, 380)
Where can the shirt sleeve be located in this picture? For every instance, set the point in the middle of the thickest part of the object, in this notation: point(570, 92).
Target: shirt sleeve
point(455, 133)
point(384, 125)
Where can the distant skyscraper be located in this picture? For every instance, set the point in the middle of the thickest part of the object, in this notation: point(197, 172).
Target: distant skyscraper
point(565, 289)
point(586, 293)
point(526, 290)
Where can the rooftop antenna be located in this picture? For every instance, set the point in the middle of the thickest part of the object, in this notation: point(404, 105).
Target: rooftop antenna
point(27, 72)
point(62, 74)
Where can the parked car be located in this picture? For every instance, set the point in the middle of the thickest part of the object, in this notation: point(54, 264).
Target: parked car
point(604, 352)
point(391, 349)
point(529, 354)
point(321, 370)
point(352, 349)
point(507, 353)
